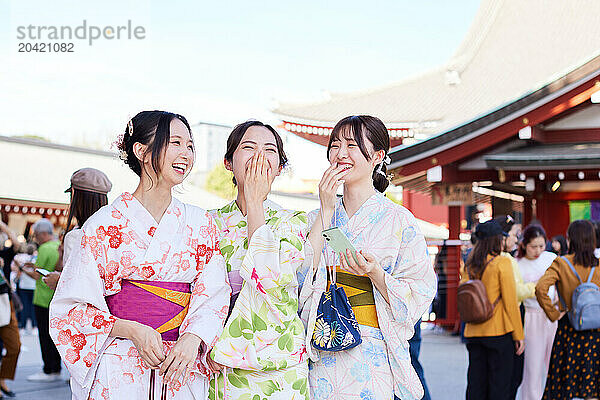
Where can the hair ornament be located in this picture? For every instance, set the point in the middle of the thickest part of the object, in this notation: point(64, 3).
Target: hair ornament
point(130, 127)
point(387, 160)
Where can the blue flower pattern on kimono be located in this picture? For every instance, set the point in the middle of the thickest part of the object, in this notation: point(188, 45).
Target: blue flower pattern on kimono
point(323, 389)
point(376, 217)
point(367, 394)
point(375, 354)
point(328, 361)
point(408, 234)
point(360, 372)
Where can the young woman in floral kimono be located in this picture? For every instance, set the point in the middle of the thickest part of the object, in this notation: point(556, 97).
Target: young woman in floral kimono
point(144, 297)
point(389, 287)
point(263, 344)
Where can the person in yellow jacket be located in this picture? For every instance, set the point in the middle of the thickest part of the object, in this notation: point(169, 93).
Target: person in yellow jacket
point(491, 343)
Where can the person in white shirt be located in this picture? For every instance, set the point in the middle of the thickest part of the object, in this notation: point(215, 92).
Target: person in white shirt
point(25, 285)
point(539, 331)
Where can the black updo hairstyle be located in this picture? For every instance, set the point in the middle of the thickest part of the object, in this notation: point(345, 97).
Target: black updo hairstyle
point(150, 128)
point(238, 132)
point(374, 130)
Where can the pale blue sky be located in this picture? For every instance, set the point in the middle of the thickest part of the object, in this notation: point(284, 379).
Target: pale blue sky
point(213, 61)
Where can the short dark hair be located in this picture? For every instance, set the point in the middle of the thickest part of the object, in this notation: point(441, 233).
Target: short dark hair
point(238, 132)
point(83, 205)
point(151, 128)
point(506, 222)
point(374, 130)
point(582, 242)
point(563, 244)
point(529, 233)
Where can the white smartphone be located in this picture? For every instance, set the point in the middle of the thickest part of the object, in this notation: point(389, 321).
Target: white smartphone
point(338, 241)
point(42, 271)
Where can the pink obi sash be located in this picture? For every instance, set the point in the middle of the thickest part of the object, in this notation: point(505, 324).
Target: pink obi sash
point(160, 305)
point(235, 281)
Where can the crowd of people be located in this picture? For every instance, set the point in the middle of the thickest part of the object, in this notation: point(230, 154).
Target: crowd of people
point(529, 346)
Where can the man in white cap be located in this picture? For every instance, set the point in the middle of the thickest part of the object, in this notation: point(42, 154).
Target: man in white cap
point(43, 231)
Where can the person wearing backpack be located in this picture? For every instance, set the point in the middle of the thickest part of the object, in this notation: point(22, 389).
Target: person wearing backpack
point(492, 342)
point(574, 370)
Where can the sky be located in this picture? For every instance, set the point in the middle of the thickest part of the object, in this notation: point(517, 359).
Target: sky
point(220, 62)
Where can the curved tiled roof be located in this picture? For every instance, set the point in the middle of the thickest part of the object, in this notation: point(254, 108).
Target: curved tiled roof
point(512, 48)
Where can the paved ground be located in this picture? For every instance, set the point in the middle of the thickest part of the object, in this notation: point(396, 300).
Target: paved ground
point(443, 356)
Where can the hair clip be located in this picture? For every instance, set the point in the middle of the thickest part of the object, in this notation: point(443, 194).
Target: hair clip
point(385, 161)
point(130, 127)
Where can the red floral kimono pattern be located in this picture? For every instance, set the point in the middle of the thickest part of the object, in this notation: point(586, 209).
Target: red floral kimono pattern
point(123, 241)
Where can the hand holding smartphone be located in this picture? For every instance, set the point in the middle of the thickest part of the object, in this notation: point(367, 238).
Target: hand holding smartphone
point(42, 271)
point(339, 242)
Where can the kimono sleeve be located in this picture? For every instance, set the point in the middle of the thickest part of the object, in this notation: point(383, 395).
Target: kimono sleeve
point(411, 285)
point(209, 301)
point(80, 322)
point(275, 260)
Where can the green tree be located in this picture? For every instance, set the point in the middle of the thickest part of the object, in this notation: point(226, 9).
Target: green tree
point(218, 181)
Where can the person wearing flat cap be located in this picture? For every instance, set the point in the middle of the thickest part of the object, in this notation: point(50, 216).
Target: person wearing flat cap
point(89, 188)
point(492, 343)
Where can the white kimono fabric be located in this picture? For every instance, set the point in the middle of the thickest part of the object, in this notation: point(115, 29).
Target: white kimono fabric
point(123, 241)
point(380, 366)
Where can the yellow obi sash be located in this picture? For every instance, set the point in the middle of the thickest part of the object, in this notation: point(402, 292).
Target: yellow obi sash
point(359, 290)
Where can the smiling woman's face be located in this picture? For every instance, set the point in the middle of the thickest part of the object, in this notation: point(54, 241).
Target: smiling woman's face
point(257, 139)
point(178, 158)
point(345, 151)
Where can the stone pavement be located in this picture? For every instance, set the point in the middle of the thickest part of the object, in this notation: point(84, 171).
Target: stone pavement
point(443, 357)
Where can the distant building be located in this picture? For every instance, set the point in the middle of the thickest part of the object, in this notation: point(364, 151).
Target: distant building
point(210, 140)
point(36, 174)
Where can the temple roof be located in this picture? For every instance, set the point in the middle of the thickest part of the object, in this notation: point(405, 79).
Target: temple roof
point(575, 155)
point(512, 48)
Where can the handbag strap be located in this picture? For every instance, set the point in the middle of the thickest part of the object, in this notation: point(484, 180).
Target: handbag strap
point(482, 270)
point(573, 269)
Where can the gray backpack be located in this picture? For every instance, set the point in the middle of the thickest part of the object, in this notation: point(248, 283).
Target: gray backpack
point(585, 311)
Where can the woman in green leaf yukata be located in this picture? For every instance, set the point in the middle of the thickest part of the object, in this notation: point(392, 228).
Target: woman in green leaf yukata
point(262, 348)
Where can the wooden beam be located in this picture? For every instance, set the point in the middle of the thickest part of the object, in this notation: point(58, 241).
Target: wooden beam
point(590, 135)
point(567, 196)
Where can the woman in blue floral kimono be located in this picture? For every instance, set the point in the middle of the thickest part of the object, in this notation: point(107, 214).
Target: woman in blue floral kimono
point(389, 286)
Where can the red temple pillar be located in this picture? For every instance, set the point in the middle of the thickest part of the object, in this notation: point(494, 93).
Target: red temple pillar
point(453, 265)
